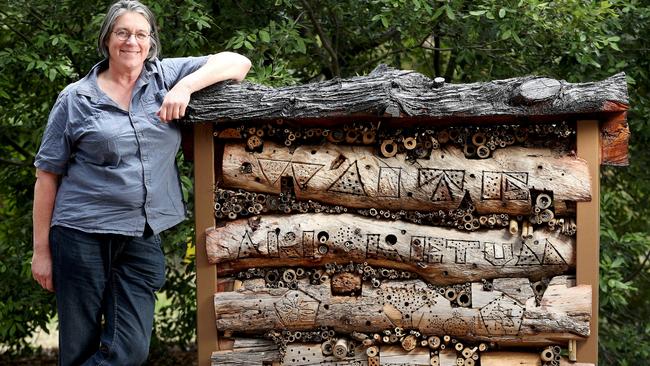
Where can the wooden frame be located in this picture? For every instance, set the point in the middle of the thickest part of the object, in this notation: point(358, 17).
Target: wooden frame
point(601, 140)
point(206, 274)
point(588, 234)
point(587, 240)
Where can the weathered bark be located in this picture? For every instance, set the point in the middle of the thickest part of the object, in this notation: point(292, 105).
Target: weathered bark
point(520, 359)
point(346, 283)
point(407, 93)
point(614, 139)
point(354, 176)
point(388, 92)
point(492, 316)
point(437, 254)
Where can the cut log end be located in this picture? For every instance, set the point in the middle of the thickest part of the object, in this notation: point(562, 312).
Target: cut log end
point(536, 91)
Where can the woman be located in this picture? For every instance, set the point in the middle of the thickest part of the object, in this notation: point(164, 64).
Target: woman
point(107, 184)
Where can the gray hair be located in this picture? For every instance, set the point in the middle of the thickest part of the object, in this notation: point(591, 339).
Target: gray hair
point(116, 10)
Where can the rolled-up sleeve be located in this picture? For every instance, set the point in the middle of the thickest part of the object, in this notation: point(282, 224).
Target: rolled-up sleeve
point(54, 153)
point(177, 68)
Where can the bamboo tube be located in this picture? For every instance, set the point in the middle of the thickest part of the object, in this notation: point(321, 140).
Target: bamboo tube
point(341, 348)
point(514, 227)
point(573, 350)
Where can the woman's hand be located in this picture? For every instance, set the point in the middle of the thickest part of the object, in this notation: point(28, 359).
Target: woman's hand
point(45, 190)
point(219, 67)
point(42, 269)
point(175, 102)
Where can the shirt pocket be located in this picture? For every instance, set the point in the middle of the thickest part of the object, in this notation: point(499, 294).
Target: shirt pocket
point(102, 143)
point(105, 153)
point(152, 104)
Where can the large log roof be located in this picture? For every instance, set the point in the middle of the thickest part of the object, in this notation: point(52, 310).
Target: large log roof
point(400, 93)
point(391, 94)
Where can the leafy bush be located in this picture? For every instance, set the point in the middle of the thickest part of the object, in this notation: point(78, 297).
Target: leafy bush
point(45, 45)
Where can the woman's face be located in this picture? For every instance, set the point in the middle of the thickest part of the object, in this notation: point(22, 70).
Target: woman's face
point(130, 53)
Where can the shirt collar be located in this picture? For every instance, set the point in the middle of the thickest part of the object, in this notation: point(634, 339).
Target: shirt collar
point(88, 85)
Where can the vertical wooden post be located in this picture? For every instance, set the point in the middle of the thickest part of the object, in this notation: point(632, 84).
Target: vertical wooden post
point(206, 273)
point(588, 235)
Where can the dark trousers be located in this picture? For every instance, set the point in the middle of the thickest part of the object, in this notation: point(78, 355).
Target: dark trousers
point(105, 288)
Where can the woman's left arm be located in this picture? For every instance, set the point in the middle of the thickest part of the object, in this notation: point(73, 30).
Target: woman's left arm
point(218, 67)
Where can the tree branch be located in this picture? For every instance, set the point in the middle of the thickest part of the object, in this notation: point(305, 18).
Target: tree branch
point(36, 15)
point(451, 49)
point(14, 162)
point(11, 28)
point(18, 148)
point(398, 58)
point(324, 39)
point(638, 270)
point(436, 54)
point(451, 66)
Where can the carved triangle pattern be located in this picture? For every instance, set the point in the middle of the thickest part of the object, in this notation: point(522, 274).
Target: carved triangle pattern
point(527, 257)
point(349, 182)
point(272, 169)
point(247, 248)
point(551, 255)
point(442, 192)
point(522, 177)
point(303, 172)
point(428, 176)
point(456, 177)
point(432, 176)
point(502, 316)
point(515, 186)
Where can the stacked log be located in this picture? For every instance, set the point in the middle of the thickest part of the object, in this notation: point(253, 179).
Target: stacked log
point(493, 316)
point(427, 246)
point(439, 255)
point(356, 177)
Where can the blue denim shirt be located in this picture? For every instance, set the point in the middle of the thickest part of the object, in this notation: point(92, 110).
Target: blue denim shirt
point(118, 167)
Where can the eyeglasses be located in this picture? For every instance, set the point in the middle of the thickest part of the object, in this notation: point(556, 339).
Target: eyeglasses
point(124, 34)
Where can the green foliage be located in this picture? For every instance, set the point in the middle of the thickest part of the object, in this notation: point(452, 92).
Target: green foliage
point(176, 320)
point(45, 45)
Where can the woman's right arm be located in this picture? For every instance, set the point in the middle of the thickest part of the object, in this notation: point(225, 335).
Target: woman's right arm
point(45, 190)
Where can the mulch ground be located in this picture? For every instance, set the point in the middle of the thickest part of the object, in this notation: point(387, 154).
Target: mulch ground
point(157, 357)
